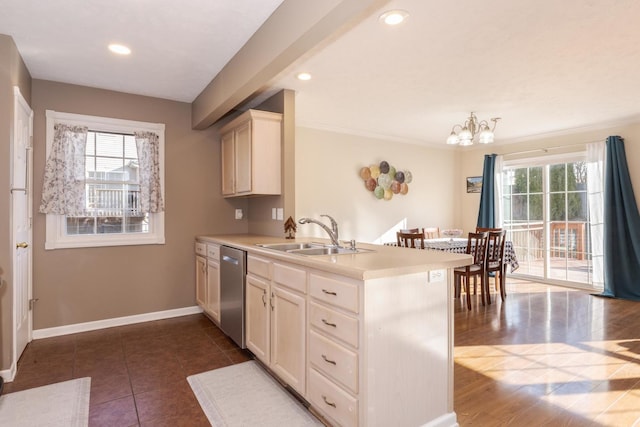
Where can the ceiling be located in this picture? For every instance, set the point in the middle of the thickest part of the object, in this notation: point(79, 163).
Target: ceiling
point(543, 66)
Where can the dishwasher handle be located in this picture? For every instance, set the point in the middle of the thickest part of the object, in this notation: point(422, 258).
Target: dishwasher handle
point(229, 259)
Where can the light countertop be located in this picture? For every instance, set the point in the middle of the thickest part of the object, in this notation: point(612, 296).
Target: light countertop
point(380, 261)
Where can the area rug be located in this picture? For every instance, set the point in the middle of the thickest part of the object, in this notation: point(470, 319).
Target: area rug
point(64, 404)
point(246, 395)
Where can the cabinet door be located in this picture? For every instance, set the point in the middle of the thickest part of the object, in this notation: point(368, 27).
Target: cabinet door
point(213, 289)
point(257, 308)
point(201, 281)
point(288, 345)
point(228, 164)
point(243, 158)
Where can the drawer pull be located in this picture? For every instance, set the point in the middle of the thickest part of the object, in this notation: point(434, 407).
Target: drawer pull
point(327, 402)
point(264, 294)
point(329, 292)
point(333, 362)
point(333, 325)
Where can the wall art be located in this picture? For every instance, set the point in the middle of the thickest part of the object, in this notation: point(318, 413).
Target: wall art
point(384, 180)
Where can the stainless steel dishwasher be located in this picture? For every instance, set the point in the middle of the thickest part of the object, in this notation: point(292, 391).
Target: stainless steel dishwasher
point(233, 269)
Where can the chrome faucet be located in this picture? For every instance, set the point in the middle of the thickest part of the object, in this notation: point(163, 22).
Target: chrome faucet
point(332, 232)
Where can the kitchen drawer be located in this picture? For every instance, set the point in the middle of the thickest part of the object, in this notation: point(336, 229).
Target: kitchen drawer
point(290, 277)
point(330, 399)
point(259, 266)
point(334, 360)
point(213, 252)
point(333, 323)
point(338, 293)
point(201, 248)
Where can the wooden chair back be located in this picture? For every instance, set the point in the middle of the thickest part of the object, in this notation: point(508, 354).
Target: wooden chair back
point(478, 246)
point(410, 240)
point(496, 261)
point(431, 232)
point(405, 231)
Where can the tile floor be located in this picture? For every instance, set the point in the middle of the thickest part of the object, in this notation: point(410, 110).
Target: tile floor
point(138, 372)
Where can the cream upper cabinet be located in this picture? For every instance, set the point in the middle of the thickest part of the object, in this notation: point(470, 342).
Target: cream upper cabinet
point(251, 151)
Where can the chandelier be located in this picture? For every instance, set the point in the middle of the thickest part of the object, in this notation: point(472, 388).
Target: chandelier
point(472, 127)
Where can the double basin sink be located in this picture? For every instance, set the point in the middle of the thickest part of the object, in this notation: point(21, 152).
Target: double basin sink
point(311, 248)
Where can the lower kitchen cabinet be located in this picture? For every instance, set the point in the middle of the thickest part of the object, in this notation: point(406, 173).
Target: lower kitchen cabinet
point(213, 289)
point(208, 279)
point(257, 314)
point(276, 318)
point(201, 281)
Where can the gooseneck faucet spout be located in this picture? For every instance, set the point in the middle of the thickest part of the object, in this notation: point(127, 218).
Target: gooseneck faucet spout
point(332, 232)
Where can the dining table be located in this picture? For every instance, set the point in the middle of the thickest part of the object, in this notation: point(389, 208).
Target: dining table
point(459, 245)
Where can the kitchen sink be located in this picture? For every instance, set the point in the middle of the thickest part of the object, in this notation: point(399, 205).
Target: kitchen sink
point(290, 246)
point(311, 249)
point(327, 250)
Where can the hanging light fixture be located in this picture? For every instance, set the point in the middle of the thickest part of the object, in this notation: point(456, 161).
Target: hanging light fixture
point(472, 128)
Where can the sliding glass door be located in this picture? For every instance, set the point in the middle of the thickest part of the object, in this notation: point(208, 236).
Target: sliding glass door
point(546, 214)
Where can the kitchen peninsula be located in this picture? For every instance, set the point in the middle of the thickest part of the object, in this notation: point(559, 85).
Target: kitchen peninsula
point(365, 338)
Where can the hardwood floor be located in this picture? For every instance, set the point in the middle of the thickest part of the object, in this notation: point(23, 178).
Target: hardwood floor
point(546, 356)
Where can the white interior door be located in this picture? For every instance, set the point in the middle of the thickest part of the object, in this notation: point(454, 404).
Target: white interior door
point(21, 203)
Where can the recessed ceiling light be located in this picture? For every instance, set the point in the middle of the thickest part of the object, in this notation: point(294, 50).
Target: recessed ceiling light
point(119, 49)
point(304, 76)
point(394, 17)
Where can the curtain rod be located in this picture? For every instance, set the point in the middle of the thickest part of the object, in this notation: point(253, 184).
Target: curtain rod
point(546, 149)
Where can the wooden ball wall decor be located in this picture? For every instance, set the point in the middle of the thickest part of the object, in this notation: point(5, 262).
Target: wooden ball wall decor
point(384, 180)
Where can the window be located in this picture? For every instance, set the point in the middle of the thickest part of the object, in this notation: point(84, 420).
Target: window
point(111, 211)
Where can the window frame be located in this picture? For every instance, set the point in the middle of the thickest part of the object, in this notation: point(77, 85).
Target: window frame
point(56, 238)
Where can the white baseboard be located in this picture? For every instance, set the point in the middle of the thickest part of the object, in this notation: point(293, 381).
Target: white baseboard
point(109, 323)
point(9, 374)
point(447, 420)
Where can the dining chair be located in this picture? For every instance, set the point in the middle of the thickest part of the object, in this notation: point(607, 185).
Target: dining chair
point(477, 246)
point(496, 262)
point(410, 240)
point(431, 232)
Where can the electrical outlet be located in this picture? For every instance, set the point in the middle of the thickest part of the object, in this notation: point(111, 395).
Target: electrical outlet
point(239, 214)
point(274, 214)
point(280, 214)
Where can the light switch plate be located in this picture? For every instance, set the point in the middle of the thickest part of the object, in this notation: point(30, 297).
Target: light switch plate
point(437, 276)
point(239, 214)
point(274, 213)
point(280, 214)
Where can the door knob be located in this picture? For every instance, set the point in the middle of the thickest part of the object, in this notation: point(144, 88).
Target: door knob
point(22, 245)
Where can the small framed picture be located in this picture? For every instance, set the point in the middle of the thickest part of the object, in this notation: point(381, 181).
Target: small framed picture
point(474, 184)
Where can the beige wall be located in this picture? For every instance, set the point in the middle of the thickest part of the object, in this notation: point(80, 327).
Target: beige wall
point(12, 73)
point(327, 181)
point(82, 285)
point(471, 161)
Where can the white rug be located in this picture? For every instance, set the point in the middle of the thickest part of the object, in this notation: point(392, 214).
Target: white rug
point(245, 395)
point(64, 404)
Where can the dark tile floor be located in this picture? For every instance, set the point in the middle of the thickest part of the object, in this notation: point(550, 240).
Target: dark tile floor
point(138, 372)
